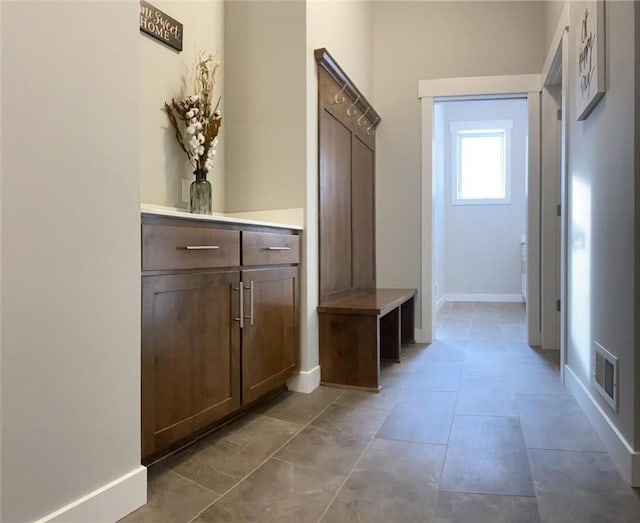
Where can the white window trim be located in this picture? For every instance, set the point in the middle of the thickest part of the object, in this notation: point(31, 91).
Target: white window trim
point(480, 125)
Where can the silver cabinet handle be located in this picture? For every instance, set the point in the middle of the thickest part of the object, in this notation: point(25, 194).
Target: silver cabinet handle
point(202, 247)
point(250, 289)
point(251, 300)
point(241, 318)
point(278, 249)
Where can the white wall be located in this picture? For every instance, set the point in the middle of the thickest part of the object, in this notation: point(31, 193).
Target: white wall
point(163, 72)
point(482, 242)
point(265, 109)
point(70, 298)
point(423, 40)
point(601, 233)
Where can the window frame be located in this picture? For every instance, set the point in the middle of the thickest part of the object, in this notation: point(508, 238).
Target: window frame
point(478, 127)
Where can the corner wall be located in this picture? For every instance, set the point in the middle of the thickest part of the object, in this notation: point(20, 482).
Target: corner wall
point(603, 269)
point(164, 74)
point(415, 41)
point(70, 297)
point(344, 29)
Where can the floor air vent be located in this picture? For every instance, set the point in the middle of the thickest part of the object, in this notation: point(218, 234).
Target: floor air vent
point(605, 374)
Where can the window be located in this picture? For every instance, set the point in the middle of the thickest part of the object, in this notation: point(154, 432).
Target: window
point(480, 167)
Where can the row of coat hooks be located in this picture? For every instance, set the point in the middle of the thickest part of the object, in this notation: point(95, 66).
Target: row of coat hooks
point(340, 98)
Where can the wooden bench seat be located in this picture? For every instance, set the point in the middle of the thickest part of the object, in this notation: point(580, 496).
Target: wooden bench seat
point(360, 327)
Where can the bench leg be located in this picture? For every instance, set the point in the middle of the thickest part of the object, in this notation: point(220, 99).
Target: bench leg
point(349, 350)
point(390, 336)
point(407, 318)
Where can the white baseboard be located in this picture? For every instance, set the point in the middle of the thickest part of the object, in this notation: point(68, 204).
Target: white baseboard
point(305, 381)
point(440, 302)
point(109, 503)
point(418, 336)
point(511, 298)
point(625, 458)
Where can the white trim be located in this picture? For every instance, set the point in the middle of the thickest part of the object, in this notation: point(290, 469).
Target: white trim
point(522, 85)
point(534, 249)
point(440, 303)
point(426, 211)
point(494, 298)
point(624, 457)
point(551, 63)
point(479, 85)
point(305, 381)
point(418, 337)
point(109, 503)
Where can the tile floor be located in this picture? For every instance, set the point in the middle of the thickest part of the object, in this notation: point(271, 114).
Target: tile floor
point(476, 427)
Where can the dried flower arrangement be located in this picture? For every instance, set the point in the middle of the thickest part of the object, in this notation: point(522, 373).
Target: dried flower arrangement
point(199, 122)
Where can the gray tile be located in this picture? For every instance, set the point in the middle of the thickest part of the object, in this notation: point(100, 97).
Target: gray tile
point(487, 363)
point(538, 378)
point(484, 346)
point(522, 353)
point(359, 421)
point(556, 422)
point(394, 481)
point(421, 417)
point(487, 396)
point(300, 408)
point(435, 376)
point(581, 486)
point(332, 451)
point(485, 330)
point(170, 498)
point(487, 455)
point(456, 507)
point(386, 399)
point(276, 492)
point(516, 332)
point(443, 351)
point(220, 460)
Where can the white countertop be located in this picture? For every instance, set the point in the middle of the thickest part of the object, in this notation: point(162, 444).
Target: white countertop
point(285, 218)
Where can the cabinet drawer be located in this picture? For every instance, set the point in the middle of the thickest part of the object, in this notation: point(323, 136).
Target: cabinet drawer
point(167, 247)
point(265, 248)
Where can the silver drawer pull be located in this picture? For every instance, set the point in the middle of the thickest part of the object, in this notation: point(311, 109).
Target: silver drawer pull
point(278, 249)
point(202, 247)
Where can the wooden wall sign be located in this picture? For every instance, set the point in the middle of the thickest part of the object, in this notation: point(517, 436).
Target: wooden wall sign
point(590, 58)
point(160, 26)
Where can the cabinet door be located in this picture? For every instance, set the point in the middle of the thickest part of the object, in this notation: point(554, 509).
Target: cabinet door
point(190, 354)
point(270, 333)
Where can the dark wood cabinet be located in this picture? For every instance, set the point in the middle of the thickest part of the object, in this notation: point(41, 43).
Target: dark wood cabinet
point(218, 332)
point(191, 354)
point(270, 333)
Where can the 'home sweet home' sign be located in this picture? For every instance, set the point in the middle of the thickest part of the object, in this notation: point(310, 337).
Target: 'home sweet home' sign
point(160, 26)
point(591, 58)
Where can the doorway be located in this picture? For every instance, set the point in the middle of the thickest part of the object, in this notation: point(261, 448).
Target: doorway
point(479, 202)
point(519, 86)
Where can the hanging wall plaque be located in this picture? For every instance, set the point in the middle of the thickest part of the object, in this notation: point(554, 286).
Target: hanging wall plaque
point(590, 58)
point(160, 26)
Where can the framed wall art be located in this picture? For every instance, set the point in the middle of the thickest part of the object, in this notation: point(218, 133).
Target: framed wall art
point(590, 36)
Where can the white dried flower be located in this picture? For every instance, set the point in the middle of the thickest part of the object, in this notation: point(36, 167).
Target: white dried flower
point(191, 129)
point(201, 151)
point(190, 114)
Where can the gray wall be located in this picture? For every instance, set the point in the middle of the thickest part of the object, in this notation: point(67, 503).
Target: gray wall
point(70, 296)
point(424, 40)
point(265, 104)
point(601, 189)
point(482, 242)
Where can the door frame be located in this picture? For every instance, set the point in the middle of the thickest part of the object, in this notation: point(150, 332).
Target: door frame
point(556, 71)
point(527, 86)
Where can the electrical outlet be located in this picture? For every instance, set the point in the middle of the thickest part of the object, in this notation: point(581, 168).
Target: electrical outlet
point(186, 188)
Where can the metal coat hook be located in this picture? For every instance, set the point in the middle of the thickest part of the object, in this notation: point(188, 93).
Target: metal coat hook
point(351, 111)
point(339, 97)
point(371, 129)
point(361, 117)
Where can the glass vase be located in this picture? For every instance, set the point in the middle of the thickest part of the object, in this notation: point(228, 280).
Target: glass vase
point(200, 193)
